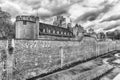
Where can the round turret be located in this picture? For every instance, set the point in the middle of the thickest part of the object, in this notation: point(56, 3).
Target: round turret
point(27, 27)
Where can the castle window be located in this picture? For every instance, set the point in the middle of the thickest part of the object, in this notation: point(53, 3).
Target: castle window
point(60, 32)
point(28, 18)
point(24, 22)
point(41, 30)
point(20, 18)
point(55, 32)
point(47, 30)
point(67, 34)
point(51, 31)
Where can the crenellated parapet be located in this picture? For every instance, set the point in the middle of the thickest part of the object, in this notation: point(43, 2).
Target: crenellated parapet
point(27, 18)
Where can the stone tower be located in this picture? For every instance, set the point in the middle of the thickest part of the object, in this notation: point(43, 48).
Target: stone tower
point(27, 27)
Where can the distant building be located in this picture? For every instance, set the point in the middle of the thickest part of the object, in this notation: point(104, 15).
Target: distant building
point(69, 26)
point(78, 29)
point(92, 33)
point(60, 21)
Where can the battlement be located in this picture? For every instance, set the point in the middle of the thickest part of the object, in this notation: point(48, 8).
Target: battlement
point(27, 18)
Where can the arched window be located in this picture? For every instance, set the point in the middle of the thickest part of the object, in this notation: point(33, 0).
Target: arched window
point(28, 18)
point(24, 22)
point(60, 32)
point(51, 31)
point(19, 18)
point(41, 30)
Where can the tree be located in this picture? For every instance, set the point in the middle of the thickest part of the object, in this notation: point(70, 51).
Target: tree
point(117, 34)
point(101, 36)
point(6, 27)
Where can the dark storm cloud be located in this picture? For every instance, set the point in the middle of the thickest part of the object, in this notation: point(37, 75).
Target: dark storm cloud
point(94, 14)
point(60, 10)
point(35, 4)
point(27, 2)
point(112, 18)
point(51, 7)
point(112, 26)
point(57, 10)
point(88, 15)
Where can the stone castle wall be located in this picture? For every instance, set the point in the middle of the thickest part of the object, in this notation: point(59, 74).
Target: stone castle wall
point(39, 56)
point(32, 57)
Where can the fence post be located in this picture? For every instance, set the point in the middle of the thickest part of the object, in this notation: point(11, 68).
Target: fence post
point(10, 59)
point(62, 56)
point(97, 49)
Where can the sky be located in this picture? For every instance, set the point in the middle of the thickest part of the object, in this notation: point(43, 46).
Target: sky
point(101, 15)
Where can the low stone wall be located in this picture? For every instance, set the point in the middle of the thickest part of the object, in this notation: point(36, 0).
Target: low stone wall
point(34, 57)
point(40, 56)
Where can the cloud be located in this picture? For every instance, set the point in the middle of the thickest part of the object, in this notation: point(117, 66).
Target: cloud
point(12, 8)
point(89, 13)
point(112, 26)
point(45, 8)
point(94, 14)
point(54, 10)
point(112, 18)
point(113, 14)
